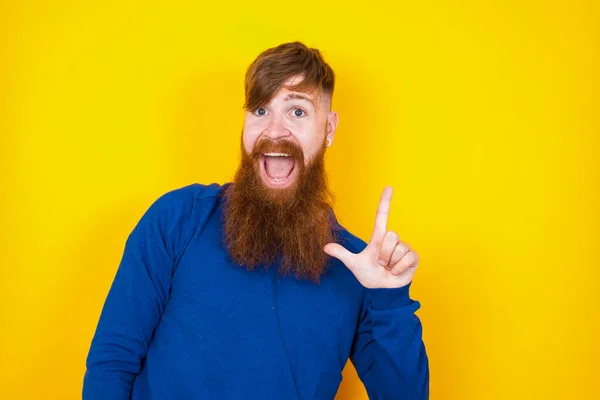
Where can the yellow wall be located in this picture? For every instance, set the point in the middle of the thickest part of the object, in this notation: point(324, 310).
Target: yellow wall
point(483, 117)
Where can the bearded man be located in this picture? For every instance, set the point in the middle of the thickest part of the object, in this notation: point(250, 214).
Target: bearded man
point(252, 289)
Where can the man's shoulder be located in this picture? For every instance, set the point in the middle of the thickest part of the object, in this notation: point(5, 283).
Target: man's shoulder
point(193, 191)
point(183, 202)
point(349, 240)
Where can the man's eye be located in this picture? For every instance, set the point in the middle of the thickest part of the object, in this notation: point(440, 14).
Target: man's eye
point(298, 112)
point(260, 111)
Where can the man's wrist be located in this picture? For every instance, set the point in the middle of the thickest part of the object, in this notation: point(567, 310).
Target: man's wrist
point(385, 299)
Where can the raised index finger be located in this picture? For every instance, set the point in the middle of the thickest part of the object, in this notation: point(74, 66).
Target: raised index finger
point(383, 210)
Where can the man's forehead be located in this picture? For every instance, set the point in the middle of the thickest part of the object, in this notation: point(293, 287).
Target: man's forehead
point(289, 95)
point(293, 80)
point(286, 95)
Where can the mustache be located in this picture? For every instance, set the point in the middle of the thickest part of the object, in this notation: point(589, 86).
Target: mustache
point(277, 146)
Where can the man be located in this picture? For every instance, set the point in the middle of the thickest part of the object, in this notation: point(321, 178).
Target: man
point(253, 290)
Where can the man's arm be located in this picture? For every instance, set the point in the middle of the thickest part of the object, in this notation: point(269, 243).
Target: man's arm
point(388, 351)
point(135, 302)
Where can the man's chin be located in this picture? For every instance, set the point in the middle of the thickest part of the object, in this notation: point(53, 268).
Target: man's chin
point(280, 195)
point(278, 185)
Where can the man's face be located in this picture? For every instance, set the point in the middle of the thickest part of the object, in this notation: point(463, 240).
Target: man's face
point(301, 119)
point(280, 203)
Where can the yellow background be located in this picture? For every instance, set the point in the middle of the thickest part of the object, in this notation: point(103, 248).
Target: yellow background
point(483, 116)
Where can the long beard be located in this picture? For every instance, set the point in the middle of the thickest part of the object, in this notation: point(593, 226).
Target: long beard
point(292, 225)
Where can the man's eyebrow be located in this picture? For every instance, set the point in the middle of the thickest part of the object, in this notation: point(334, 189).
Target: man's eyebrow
point(299, 96)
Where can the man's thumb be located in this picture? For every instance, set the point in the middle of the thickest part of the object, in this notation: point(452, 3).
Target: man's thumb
point(339, 252)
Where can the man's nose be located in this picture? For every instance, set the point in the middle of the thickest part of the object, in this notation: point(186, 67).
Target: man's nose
point(276, 129)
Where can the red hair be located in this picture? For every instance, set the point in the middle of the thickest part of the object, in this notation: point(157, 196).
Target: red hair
point(274, 66)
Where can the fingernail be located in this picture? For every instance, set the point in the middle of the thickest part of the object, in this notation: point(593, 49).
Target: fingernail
point(382, 262)
point(395, 272)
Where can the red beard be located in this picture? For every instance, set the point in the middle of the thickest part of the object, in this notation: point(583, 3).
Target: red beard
point(291, 225)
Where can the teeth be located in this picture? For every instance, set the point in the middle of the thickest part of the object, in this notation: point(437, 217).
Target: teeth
point(278, 179)
point(276, 155)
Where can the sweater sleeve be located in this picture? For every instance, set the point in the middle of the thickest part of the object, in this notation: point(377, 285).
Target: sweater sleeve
point(136, 300)
point(388, 351)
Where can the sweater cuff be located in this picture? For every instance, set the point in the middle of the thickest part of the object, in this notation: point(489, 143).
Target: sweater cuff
point(385, 299)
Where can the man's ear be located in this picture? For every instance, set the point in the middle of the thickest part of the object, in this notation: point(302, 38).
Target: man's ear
point(332, 122)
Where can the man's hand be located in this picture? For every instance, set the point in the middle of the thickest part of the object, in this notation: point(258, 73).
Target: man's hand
point(386, 262)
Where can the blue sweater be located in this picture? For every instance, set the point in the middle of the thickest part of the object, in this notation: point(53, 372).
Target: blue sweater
point(181, 321)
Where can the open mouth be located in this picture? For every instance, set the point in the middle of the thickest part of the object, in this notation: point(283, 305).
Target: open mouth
point(279, 169)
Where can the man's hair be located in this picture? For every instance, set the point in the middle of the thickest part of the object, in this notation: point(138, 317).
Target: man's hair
point(274, 66)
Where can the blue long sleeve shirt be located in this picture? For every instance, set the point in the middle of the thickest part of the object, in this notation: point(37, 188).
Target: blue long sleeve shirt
point(182, 321)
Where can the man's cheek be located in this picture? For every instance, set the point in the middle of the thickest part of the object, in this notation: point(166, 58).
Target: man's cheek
point(249, 143)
